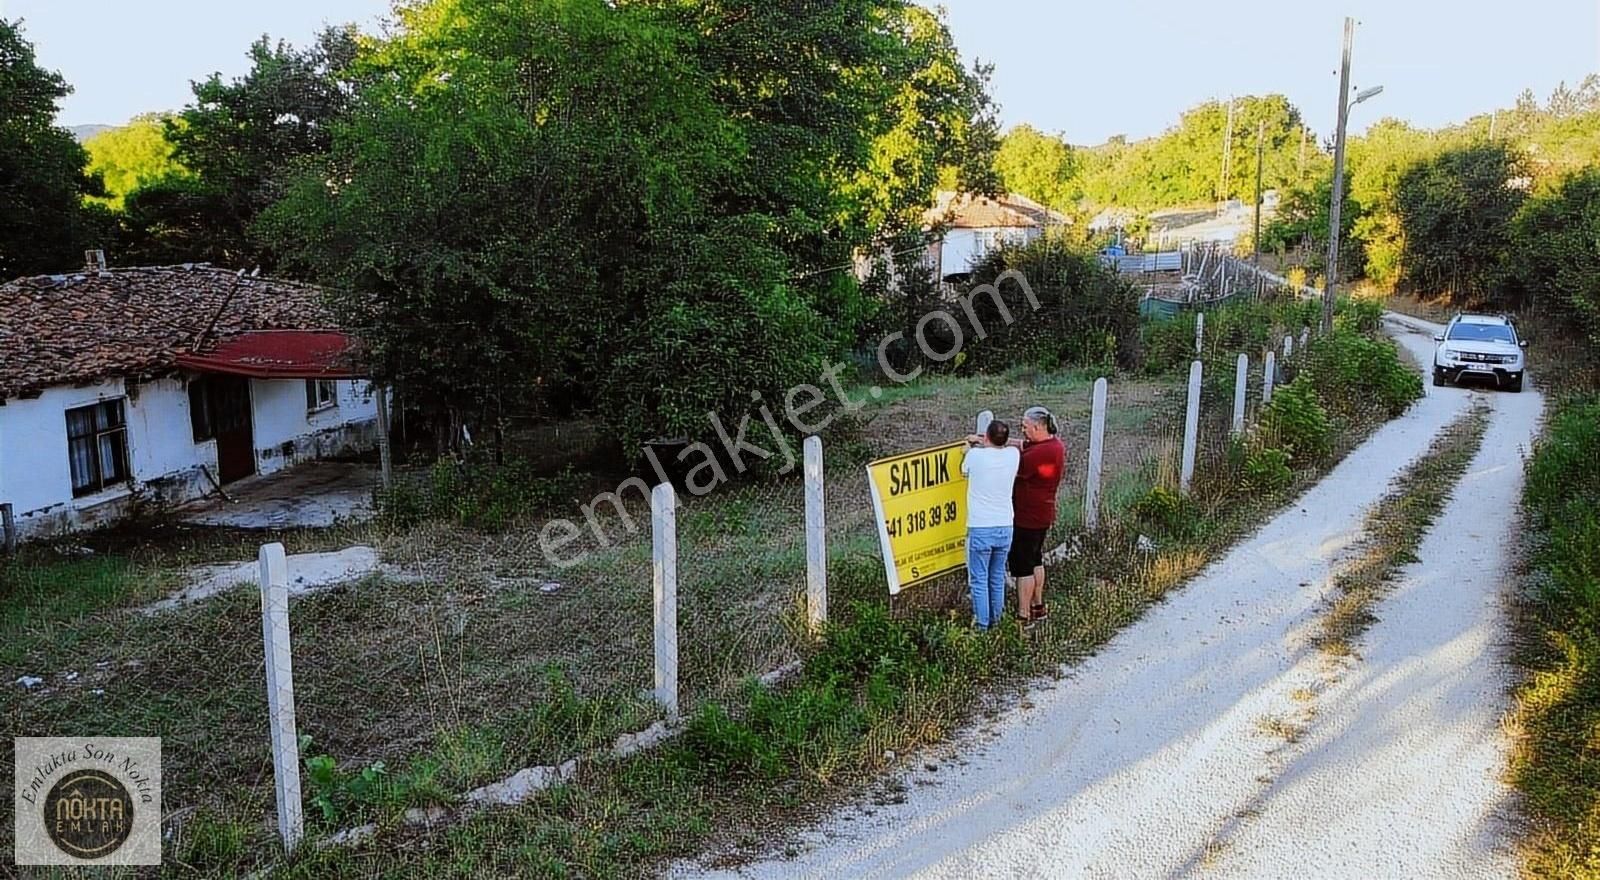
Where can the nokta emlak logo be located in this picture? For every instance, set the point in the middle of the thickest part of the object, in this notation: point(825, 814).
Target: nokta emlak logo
point(88, 801)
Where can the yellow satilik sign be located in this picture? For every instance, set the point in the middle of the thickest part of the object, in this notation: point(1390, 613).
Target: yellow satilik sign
point(921, 501)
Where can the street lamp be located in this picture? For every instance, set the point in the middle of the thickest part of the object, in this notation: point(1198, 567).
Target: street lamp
point(1338, 173)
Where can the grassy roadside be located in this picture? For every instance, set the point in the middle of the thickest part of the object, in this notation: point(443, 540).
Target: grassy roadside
point(1556, 759)
point(1395, 528)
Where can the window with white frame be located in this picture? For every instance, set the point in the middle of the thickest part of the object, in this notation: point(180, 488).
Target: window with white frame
point(97, 446)
point(321, 394)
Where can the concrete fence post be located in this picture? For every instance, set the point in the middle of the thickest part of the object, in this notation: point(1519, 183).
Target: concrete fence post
point(1241, 378)
point(664, 548)
point(385, 456)
point(1199, 333)
point(1288, 346)
point(1191, 429)
point(1305, 336)
point(984, 418)
point(1269, 377)
point(816, 539)
point(8, 529)
point(1097, 443)
point(280, 693)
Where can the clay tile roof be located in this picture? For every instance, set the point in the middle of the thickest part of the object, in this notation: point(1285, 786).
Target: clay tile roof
point(86, 327)
point(966, 211)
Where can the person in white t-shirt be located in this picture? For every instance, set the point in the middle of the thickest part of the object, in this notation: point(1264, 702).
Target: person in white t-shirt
point(991, 471)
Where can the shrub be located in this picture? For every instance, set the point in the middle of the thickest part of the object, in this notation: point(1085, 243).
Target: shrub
point(1562, 496)
point(1088, 316)
point(1356, 373)
point(1267, 469)
point(1296, 423)
point(1167, 510)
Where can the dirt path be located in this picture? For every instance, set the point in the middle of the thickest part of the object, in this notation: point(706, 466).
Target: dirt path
point(1159, 757)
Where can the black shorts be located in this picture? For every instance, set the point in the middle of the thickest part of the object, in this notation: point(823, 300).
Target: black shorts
point(1027, 551)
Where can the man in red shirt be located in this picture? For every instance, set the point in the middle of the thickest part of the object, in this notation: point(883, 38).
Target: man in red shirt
point(1033, 497)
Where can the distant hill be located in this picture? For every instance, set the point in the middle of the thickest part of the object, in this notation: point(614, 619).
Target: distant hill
point(84, 132)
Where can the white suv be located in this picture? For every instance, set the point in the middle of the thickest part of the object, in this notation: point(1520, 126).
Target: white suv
point(1479, 347)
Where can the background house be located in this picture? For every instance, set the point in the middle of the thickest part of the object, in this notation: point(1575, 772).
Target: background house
point(159, 383)
point(976, 224)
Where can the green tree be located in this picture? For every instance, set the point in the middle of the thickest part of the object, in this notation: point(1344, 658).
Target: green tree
point(1183, 166)
point(1455, 213)
point(1556, 253)
point(525, 217)
point(44, 224)
point(131, 156)
point(239, 139)
point(1039, 166)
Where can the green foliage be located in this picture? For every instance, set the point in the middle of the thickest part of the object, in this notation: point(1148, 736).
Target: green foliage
point(44, 224)
point(340, 795)
point(1296, 422)
point(1355, 374)
point(1556, 256)
point(240, 140)
point(478, 494)
point(863, 675)
point(1266, 469)
point(1165, 509)
point(1455, 214)
point(1562, 497)
point(1086, 315)
point(516, 233)
point(1244, 326)
point(132, 156)
point(1183, 165)
point(1039, 166)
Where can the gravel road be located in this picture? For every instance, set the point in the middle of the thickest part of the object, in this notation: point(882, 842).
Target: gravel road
point(1165, 755)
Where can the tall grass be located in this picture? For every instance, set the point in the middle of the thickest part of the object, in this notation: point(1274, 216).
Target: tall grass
point(1556, 764)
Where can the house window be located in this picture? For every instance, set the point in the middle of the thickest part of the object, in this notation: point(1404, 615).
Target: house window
point(97, 446)
point(321, 394)
point(200, 416)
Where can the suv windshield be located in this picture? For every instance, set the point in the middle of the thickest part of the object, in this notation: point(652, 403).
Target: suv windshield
point(1482, 333)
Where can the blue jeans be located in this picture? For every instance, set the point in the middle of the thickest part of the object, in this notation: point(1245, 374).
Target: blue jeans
point(987, 550)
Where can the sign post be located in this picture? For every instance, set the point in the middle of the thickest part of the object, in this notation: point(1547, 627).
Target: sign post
point(920, 499)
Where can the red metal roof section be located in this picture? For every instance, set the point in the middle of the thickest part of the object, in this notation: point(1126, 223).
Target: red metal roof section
point(279, 354)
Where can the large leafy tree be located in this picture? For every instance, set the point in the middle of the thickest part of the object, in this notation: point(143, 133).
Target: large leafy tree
point(523, 209)
point(1455, 213)
point(44, 224)
point(239, 138)
point(132, 156)
point(1039, 166)
point(1556, 257)
point(640, 208)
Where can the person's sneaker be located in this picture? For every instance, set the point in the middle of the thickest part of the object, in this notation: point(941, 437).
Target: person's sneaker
point(1040, 612)
point(1027, 622)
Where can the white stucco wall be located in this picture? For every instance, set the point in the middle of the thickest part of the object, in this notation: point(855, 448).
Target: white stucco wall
point(964, 248)
point(165, 462)
point(281, 419)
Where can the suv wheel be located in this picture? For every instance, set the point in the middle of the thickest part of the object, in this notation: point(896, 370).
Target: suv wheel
point(1438, 377)
point(1516, 385)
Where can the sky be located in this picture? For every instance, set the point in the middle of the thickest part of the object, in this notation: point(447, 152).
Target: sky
point(1086, 69)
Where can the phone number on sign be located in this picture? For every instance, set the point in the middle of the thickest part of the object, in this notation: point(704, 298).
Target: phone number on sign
point(918, 520)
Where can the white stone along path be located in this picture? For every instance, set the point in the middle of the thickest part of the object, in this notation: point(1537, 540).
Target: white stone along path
point(1158, 756)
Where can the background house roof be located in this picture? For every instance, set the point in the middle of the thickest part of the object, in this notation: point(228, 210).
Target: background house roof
point(969, 211)
point(90, 326)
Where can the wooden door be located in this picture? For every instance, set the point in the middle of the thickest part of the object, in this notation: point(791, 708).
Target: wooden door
point(230, 408)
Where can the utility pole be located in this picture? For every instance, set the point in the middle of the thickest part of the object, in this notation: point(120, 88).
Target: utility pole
point(1337, 203)
point(1300, 170)
point(1261, 138)
point(1227, 155)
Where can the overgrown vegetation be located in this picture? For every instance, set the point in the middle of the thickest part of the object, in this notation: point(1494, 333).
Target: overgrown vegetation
point(1554, 764)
